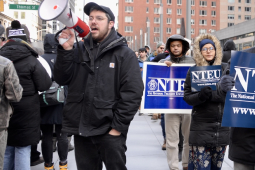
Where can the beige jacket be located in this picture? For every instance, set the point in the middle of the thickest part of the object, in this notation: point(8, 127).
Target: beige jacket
point(10, 90)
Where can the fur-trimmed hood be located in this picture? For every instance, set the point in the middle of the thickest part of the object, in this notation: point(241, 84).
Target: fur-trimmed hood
point(199, 59)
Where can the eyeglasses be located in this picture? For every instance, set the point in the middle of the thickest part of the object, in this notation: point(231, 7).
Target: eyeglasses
point(97, 18)
point(209, 48)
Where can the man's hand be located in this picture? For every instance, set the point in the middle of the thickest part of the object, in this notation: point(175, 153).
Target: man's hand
point(168, 63)
point(114, 132)
point(226, 83)
point(67, 34)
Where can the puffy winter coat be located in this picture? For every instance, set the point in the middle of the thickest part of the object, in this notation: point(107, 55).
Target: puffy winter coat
point(205, 128)
point(24, 127)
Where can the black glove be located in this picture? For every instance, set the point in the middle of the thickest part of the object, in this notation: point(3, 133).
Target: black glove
point(226, 83)
point(205, 93)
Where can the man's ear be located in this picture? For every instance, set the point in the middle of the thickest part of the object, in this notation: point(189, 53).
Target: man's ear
point(111, 24)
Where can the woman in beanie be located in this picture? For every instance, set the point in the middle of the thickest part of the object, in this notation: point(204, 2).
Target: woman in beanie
point(207, 140)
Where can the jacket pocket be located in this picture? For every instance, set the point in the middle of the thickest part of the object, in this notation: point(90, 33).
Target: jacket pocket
point(98, 103)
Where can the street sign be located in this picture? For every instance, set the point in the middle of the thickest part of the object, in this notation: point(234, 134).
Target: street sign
point(24, 7)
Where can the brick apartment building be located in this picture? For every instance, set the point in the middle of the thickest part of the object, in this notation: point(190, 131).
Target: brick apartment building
point(206, 16)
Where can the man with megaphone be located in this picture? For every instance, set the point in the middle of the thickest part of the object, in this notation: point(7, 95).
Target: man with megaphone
point(104, 91)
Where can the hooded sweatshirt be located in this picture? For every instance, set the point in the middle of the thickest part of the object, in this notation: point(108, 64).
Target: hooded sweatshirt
point(228, 46)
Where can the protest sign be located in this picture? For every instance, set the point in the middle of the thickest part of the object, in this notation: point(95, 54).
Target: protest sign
point(204, 76)
point(239, 110)
point(164, 88)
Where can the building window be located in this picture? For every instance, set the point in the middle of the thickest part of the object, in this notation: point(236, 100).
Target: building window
point(230, 24)
point(192, 2)
point(213, 22)
point(179, 11)
point(179, 2)
point(168, 20)
point(203, 3)
point(239, 1)
point(23, 15)
point(147, 9)
point(192, 22)
point(128, 29)
point(147, 1)
point(231, 8)
point(231, 1)
point(169, 2)
point(16, 14)
point(213, 30)
point(203, 12)
point(247, 9)
point(129, 9)
point(156, 10)
point(129, 0)
point(178, 21)
point(213, 13)
point(156, 39)
point(239, 17)
point(247, 17)
point(248, 1)
point(202, 31)
point(231, 16)
point(192, 31)
point(213, 4)
point(192, 12)
point(156, 20)
point(156, 1)
point(178, 31)
point(128, 19)
point(129, 38)
point(202, 22)
point(168, 30)
point(169, 11)
point(239, 9)
point(156, 29)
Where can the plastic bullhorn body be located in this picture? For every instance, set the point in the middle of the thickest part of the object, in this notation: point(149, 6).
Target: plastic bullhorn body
point(59, 10)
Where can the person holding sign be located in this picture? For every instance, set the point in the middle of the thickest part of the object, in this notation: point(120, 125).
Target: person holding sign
point(177, 47)
point(207, 140)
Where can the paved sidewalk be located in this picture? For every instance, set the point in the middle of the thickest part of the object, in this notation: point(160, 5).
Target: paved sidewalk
point(143, 148)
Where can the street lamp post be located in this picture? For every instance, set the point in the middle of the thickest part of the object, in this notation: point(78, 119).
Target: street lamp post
point(161, 21)
point(188, 20)
point(141, 38)
point(148, 33)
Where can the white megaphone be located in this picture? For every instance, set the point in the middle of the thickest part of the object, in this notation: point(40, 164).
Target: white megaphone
point(59, 10)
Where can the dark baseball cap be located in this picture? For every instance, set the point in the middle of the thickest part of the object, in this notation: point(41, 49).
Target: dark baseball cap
point(107, 10)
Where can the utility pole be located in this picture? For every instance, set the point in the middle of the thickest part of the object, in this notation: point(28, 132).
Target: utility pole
point(161, 21)
point(188, 20)
point(141, 38)
point(148, 33)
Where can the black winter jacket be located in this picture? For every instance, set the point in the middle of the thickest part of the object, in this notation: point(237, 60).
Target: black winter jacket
point(107, 99)
point(228, 46)
point(51, 114)
point(205, 127)
point(242, 140)
point(160, 56)
point(24, 128)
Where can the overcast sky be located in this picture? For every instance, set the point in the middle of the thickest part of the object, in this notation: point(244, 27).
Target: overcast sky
point(112, 4)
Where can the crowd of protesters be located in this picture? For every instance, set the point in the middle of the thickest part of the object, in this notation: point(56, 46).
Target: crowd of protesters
point(99, 116)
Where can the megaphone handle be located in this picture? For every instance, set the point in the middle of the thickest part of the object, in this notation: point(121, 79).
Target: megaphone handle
point(62, 40)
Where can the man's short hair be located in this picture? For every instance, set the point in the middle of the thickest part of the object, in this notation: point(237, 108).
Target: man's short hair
point(142, 50)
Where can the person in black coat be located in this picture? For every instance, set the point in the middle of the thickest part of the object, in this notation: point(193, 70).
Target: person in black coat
point(242, 140)
point(228, 46)
point(207, 140)
point(24, 129)
point(52, 115)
